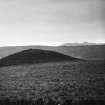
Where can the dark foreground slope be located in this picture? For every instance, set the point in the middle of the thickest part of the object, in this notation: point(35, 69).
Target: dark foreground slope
point(66, 83)
point(34, 56)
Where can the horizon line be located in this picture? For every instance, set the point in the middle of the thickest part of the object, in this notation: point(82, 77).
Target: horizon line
point(63, 44)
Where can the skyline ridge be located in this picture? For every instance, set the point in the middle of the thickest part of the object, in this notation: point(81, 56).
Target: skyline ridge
point(62, 44)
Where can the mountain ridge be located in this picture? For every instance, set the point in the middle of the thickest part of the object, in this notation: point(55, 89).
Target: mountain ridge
point(82, 44)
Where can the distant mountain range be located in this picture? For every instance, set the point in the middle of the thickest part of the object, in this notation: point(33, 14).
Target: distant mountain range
point(82, 44)
point(88, 52)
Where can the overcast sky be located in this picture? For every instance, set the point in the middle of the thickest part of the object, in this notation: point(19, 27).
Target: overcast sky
point(51, 22)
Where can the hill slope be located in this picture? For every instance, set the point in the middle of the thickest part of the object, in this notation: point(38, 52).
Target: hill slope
point(59, 81)
point(34, 56)
point(89, 52)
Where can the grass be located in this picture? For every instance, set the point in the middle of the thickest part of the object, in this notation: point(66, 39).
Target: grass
point(59, 82)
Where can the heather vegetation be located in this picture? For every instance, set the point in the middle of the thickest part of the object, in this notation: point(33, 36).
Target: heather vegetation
point(65, 83)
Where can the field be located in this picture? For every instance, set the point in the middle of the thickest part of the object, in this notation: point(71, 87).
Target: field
point(76, 82)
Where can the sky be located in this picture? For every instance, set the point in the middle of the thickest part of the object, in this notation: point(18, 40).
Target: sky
point(51, 22)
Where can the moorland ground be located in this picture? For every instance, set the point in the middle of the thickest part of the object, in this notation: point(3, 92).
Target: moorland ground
point(58, 81)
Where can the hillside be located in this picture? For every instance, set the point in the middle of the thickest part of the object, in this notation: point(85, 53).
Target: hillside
point(89, 52)
point(34, 56)
point(74, 81)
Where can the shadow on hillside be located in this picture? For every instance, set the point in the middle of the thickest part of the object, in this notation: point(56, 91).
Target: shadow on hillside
point(50, 102)
point(33, 56)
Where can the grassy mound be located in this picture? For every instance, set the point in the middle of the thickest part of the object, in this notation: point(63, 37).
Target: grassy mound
point(31, 56)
